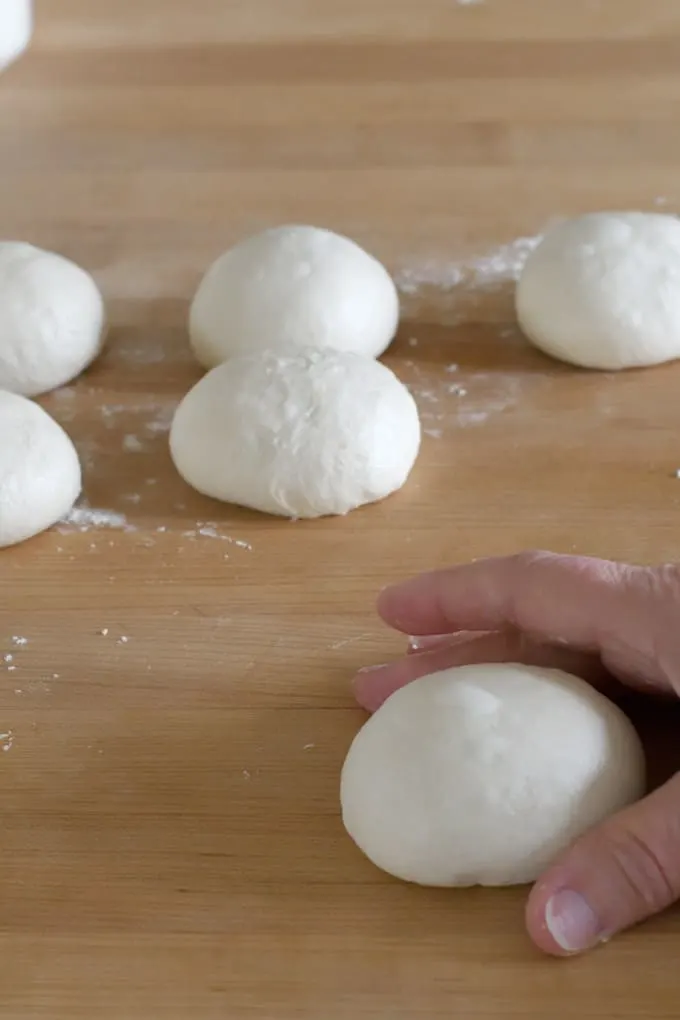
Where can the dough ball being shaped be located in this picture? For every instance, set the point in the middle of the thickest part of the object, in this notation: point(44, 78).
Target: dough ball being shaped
point(293, 285)
point(39, 470)
point(603, 291)
point(302, 433)
point(16, 25)
point(480, 775)
point(52, 319)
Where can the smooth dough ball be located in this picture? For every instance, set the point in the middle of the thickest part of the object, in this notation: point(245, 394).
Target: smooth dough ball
point(480, 775)
point(52, 319)
point(39, 470)
point(293, 285)
point(302, 433)
point(603, 291)
point(16, 25)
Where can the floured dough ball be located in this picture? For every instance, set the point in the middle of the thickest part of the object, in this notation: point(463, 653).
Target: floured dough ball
point(16, 25)
point(301, 433)
point(293, 285)
point(52, 319)
point(480, 775)
point(603, 291)
point(39, 470)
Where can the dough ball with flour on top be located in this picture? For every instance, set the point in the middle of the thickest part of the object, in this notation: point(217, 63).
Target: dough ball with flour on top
point(481, 775)
point(298, 433)
point(52, 319)
point(603, 290)
point(293, 286)
point(39, 470)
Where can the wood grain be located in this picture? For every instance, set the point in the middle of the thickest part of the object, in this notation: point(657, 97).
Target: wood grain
point(170, 842)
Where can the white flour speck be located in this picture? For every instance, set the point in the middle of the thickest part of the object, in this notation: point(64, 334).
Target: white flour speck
point(104, 631)
point(348, 641)
point(209, 529)
point(431, 273)
point(7, 657)
point(132, 444)
point(479, 272)
point(20, 641)
point(308, 747)
point(84, 518)
point(6, 740)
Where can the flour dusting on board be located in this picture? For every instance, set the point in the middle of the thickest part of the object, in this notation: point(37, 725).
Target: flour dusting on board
point(479, 272)
point(84, 518)
point(450, 396)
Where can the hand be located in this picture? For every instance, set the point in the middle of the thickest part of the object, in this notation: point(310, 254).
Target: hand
point(612, 624)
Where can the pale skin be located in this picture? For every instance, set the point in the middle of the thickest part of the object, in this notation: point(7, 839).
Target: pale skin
point(610, 623)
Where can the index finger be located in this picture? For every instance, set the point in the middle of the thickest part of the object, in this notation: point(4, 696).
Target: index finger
point(573, 600)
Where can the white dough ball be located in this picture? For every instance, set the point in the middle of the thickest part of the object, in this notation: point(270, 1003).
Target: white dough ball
point(603, 290)
point(16, 25)
point(39, 470)
point(481, 775)
point(301, 433)
point(293, 285)
point(52, 319)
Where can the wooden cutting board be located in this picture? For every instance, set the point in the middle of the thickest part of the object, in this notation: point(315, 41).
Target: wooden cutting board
point(174, 673)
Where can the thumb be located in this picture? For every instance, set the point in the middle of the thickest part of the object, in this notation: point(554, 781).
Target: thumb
point(619, 873)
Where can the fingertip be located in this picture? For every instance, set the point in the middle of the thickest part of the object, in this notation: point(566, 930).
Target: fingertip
point(537, 921)
point(387, 605)
point(369, 688)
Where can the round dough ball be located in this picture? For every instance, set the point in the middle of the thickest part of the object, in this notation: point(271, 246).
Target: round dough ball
point(52, 319)
point(302, 433)
point(293, 285)
point(480, 775)
point(16, 25)
point(39, 470)
point(603, 291)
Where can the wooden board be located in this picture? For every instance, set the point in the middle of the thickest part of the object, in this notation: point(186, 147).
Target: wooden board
point(178, 712)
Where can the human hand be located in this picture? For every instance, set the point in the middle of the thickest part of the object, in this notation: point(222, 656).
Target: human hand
point(611, 624)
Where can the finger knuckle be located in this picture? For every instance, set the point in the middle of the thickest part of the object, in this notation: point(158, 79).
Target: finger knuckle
point(649, 878)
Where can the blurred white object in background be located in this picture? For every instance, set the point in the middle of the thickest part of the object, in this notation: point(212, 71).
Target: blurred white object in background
point(16, 25)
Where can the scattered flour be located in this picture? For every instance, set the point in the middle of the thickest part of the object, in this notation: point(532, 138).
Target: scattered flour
point(132, 444)
point(6, 740)
point(209, 529)
point(444, 405)
point(479, 272)
point(86, 519)
point(455, 289)
point(155, 417)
